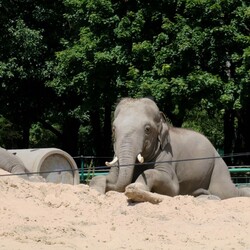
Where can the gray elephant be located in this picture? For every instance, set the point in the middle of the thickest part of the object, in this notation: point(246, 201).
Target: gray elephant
point(142, 134)
point(11, 163)
point(14, 165)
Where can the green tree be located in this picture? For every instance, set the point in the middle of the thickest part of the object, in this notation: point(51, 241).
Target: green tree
point(87, 69)
point(31, 31)
point(193, 56)
point(65, 63)
point(10, 135)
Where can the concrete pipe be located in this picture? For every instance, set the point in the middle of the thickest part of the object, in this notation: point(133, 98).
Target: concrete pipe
point(54, 165)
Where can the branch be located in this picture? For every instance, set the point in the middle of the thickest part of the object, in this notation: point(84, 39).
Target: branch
point(46, 125)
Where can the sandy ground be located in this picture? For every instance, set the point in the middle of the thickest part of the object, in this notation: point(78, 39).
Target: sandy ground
point(50, 216)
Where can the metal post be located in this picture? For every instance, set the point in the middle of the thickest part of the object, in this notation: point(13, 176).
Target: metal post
point(82, 170)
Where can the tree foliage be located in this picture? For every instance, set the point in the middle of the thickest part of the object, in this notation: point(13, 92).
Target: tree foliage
point(28, 39)
point(65, 64)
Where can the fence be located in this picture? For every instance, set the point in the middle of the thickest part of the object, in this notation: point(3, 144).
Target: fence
point(240, 175)
point(90, 166)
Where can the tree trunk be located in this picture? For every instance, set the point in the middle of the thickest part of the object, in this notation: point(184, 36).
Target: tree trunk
point(107, 133)
point(26, 135)
point(228, 135)
point(246, 135)
point(70, 136)
point(243, 137)
point(97, 135)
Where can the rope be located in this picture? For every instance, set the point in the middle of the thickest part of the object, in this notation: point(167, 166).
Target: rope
point(91, 157)
point(135, 164)
point(190, 159)
point(43, 172)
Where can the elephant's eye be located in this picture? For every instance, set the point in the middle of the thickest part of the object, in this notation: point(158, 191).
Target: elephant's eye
point(147, 129)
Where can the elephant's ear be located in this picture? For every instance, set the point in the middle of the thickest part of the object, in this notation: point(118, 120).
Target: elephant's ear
point(163, 135)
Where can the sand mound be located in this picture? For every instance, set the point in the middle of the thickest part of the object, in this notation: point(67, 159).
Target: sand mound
point(52, 216)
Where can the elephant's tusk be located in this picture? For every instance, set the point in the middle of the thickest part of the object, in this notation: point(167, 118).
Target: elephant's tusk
point(111, 163)
point(140, 158)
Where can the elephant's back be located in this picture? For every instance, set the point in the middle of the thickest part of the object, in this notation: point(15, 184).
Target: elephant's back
point(185, 142)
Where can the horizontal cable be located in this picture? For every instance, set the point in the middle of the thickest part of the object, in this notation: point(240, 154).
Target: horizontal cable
point(189, 159)
point(43, 172)
point(91, 157)
point(108, 157)
point(135, 164)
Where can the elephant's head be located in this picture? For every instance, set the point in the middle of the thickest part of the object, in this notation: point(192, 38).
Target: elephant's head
point(139, 133)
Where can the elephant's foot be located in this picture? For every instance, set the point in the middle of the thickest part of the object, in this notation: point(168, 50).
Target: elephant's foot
point(209, 197)
point(244, 191)
point(200, 191)
point(98, 183)
point(36, 178)
point(136, 194)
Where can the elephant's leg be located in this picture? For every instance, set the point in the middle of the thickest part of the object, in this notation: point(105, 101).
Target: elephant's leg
point(101, 183)
point(155, 181)
point(204, 194)
point(135, 192)
point(200, 191)
point(98, 183)
point(221, 184)
point(244, 191)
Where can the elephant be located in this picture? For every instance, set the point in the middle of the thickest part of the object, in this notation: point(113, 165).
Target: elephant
point(14, 165)
point(11, 163)
point(153, 157)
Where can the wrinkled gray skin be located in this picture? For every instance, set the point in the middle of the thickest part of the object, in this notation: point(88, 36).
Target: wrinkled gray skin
point(11, 163)
point(139, 127)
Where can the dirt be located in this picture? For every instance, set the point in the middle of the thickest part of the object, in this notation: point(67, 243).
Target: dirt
point(59, 216)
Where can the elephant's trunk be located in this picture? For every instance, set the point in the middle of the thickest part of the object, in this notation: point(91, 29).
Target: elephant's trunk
point(126, 154)
point(125, 176)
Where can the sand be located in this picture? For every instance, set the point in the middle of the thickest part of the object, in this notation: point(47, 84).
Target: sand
point(59, 216)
